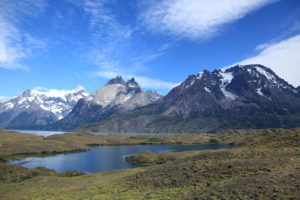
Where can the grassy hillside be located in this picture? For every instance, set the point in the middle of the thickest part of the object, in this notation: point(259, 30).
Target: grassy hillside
point(264, 166)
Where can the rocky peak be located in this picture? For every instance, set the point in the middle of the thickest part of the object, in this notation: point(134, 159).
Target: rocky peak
point(116, 92)
point(27, 93)
point(117, 80)
point(79, 88)
point(152, 96)
point(257, 79)
point(132, 83)
point(234, 82)
point(133, 86)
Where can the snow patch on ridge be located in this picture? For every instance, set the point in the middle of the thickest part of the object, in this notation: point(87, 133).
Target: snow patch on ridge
point(127, 98)
point(259, 91)
point(199, 75)
point(189, 85)
point(207, 90)
point(9, 105)
point(269, 76)
point(226, 79)
point(131, 85)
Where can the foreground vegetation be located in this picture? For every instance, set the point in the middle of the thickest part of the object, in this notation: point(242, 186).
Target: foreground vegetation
point(266, 165)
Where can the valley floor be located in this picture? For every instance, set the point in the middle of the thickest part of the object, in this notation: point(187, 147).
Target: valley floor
point(265, 165)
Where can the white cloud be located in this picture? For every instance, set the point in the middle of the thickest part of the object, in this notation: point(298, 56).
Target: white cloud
point(4, 99)
point(197, 19)
point(103, 23)
point(282, 57)
point(144, 82)
point(15, 43)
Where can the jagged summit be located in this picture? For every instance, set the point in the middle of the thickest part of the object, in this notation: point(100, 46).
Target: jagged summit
point(27, 93)
point(79, 88)
point(132, 85)
point(117, 80)
point(152, 95)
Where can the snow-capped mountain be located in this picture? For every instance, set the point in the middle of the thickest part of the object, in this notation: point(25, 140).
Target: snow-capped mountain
point(39, 106)
point(243, 96)
point(115, 97)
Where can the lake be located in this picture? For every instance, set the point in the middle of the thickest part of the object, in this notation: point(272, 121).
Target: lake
point(102, 158)
point(48, 133)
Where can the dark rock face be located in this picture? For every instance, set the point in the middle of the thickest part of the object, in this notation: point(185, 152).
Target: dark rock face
point(248, 96)
point(117, 80)
point(133, 86)
point(26, 119)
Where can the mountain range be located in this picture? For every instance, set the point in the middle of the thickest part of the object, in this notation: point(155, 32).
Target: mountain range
point(114, 98)
point(242, 96)
point(39, 107)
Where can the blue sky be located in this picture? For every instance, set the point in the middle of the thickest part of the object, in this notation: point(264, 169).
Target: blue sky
point(64, 43)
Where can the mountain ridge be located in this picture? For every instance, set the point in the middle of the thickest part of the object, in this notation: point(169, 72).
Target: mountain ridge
point(242, 96)
point(115, 97)
point(39, 106)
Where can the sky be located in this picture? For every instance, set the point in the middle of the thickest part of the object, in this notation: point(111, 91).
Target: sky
point(64, 43)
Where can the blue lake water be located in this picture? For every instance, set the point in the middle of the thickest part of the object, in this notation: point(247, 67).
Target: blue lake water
point(102, 158)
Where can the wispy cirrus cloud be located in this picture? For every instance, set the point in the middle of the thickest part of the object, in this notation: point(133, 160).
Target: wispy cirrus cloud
point(104, 27)
point(15, 43)
point(116, 48)
point(196, 19)
point(282, 57)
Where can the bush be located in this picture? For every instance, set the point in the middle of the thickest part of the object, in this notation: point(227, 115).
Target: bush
point(213, 141)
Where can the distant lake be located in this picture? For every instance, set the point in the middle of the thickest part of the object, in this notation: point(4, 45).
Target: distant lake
point(41, 133)
point(102, 158)
point(47, 133)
